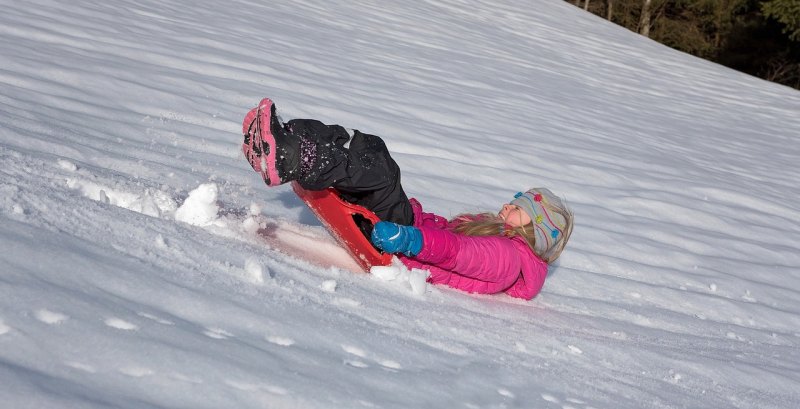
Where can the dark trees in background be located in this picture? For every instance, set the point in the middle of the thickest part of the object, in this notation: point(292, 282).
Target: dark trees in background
point(758, 37)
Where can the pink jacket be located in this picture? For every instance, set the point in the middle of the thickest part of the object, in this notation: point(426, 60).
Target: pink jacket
point(486, 264)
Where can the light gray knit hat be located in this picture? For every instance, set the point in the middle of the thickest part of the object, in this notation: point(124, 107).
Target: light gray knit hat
point(548, 226)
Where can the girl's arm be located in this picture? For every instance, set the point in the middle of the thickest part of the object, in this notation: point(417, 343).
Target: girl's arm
point(422, 219)
point(485, 258)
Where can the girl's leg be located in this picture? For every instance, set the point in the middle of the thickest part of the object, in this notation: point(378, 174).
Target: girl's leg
point(315, 155)
point(363, 173)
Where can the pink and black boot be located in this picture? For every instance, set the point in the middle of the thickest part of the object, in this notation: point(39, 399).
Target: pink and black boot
point(271, 150)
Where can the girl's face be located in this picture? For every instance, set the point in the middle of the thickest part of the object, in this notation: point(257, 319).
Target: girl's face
point(514, 216)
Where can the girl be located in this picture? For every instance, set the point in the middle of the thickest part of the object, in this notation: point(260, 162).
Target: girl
point(480, 253)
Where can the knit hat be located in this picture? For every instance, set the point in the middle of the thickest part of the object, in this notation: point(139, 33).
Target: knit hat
point(548, 225)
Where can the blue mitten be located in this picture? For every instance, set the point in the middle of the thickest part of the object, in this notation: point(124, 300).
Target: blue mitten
point(394, 238)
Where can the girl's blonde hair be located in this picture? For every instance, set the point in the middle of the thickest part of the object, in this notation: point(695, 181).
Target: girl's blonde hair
point(489, 224)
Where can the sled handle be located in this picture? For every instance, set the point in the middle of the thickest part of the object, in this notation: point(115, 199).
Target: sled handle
point(338, 217)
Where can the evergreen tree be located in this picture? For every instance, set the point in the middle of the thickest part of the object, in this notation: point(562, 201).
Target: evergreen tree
point(787, 12)
point(759, 37)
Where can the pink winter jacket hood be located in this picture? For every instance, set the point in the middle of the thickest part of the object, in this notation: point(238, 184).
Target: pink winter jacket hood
point(476, 264)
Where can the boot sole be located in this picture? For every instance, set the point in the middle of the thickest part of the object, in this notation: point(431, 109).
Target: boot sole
point(261, 139)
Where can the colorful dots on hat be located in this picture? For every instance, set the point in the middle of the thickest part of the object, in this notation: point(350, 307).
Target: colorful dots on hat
point(547, 223)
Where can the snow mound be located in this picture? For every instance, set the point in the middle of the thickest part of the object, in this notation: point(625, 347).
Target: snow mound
point(200, 208)
point(398, 274)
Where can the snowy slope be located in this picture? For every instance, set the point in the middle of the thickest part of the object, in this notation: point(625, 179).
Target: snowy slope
point(144, 265)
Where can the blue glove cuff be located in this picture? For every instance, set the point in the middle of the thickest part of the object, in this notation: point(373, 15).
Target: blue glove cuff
point(415, 241)
point(394, 238)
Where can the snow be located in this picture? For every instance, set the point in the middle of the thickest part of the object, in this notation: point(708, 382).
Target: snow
point(413, 280)
point(144, 264)
point(200, 208)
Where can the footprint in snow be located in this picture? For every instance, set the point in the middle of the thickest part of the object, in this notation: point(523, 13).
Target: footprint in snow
point(389, 364)
point(217, 333)
point(80, 366)
point(355, 363)
point(256, 387)
point(357, 352)
point(550, 398)
point(282, 341)
point(136, 371)
point(575, 401)
point(353, 350)
point(568, 402)
point(50, 317)
point(121, 324)
point(574, 350)
point(154, 318)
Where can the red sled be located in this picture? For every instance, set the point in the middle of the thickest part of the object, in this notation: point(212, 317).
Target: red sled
point(339, 217)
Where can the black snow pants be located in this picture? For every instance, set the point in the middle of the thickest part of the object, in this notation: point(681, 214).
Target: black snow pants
point(362, 172)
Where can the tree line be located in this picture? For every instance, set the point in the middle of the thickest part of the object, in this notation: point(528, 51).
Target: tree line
point(758, 37)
